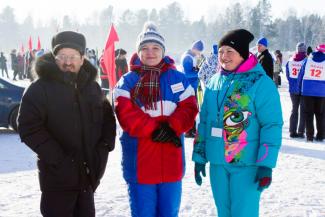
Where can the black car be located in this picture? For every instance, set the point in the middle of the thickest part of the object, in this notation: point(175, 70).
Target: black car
point(10, 96)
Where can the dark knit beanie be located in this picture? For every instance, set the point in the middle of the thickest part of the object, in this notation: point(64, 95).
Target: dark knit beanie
point(238, 39)
point(69, 39)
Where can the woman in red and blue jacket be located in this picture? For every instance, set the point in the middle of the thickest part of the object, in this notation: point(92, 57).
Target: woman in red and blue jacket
point(155, 105)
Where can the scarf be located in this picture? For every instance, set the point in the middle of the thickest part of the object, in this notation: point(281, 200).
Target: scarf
point(299, 56)
point(147, 89)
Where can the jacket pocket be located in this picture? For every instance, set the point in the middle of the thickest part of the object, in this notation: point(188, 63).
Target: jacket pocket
point(65, 174)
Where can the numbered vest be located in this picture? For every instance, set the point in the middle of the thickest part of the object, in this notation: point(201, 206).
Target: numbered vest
point(294, 68)
point(314, 71)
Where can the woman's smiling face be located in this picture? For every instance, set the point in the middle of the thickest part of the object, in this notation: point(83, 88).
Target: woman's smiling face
point(229, 58)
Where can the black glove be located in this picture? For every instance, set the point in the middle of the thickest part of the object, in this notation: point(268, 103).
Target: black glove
point(198, 169)
point(164, 133)
point(196, 69)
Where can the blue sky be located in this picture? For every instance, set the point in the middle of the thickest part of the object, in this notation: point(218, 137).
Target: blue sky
point(43, 10)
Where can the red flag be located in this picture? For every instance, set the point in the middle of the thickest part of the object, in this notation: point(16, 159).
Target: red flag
point(38, 44)
point(30, 43)
point(109, 57)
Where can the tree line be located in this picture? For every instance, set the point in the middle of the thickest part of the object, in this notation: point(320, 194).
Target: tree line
point(282, 33)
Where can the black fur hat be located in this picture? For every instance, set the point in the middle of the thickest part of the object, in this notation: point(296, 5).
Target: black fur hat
point(69, 39)
point(238, 39)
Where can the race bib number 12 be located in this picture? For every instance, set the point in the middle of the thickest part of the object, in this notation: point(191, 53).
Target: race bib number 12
point(314, 71)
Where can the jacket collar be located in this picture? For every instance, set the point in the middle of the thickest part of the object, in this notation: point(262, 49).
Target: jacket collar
point(46, 68)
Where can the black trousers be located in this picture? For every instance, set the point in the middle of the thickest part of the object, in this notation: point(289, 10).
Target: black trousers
point(297, 112)
point(4, 70)
point(68, 203)
point(105, 85)
point(324, 121)
point(314, 106)
point(15, 74)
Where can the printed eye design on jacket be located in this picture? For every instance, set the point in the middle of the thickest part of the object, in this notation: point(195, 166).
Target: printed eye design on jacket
point(235, 121)
point(236, 117)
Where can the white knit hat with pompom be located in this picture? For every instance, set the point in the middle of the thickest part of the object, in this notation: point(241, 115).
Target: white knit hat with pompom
point(150, 34)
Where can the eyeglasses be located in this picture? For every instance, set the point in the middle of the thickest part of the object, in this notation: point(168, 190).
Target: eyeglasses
point(65, 58)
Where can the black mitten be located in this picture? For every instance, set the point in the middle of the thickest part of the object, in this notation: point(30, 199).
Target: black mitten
point(164, 133)
point(161, 134)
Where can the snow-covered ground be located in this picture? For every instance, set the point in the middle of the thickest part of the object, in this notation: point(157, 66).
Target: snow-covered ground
point(297, 190)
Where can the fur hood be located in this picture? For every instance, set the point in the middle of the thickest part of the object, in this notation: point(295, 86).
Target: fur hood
point(46, 68)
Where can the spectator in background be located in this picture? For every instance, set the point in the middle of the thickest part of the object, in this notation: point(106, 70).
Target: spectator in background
point(14, 63)
point(39, 53)
point(209, 66)
point(91, 55)
point(311, 84)
point(207, 69)
point(103, 76)
point(21, 64)
point(277, 68)
point(190, 69)
point(29, 58)
point(189, 63)
point(309, 50)
point(264, 57)
point(293, 67)
point(3, 65)
point(121, 65)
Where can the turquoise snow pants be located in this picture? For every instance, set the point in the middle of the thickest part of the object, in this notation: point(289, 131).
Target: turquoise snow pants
point(234, 190)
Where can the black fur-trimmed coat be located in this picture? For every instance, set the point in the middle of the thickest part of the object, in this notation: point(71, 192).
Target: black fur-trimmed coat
point(266, 60)
point(68, 122)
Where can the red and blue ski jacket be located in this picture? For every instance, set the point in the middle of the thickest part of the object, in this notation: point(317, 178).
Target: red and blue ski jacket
point(145, 161)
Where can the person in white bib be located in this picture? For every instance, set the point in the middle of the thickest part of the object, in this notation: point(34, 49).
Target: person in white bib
point(311, 84)
point(292, 71)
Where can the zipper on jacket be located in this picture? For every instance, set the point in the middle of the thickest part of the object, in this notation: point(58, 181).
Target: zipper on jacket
point(84, 157)
point(162, 145)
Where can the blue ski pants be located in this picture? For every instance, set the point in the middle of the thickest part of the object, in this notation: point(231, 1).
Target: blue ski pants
point(155, 200)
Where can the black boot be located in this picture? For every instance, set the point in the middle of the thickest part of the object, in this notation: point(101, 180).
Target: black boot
point(301, 135)
point(319, 138)
point(293, 135)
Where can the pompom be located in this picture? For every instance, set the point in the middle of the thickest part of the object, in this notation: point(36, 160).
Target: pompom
point(149, 26)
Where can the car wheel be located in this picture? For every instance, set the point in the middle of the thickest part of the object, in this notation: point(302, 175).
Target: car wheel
point(13, 119)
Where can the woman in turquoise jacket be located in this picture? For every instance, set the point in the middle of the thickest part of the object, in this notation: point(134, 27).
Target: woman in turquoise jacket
point(240, 129)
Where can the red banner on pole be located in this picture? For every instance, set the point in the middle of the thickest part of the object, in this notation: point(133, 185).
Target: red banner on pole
point(30, 43)
point(108, 62)
point(38, 44)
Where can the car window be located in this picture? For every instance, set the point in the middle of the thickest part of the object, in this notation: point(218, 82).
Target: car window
point(2, 86)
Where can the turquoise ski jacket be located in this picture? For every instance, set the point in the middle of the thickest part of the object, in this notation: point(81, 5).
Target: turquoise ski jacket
point(240, 119)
